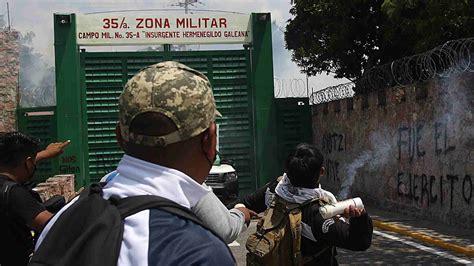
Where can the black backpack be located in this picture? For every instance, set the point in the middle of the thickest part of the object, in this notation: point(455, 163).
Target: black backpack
point(90, 231)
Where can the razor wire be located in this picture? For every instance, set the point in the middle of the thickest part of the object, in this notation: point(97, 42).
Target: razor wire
point(341, 91)
point(290, 88)
point(442, 61)
point(452, 57)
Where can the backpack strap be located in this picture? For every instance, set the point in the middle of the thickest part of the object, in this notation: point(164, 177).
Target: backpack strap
point(5, 192)
point(295, 217)
point(295, 224)
point(131, 205)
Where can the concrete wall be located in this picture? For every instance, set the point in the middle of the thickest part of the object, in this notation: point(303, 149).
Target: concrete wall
point(412, 154)
point(9, 69)
point(57, 185)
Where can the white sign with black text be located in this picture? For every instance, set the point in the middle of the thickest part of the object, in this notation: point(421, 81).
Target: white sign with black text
point(148, 28)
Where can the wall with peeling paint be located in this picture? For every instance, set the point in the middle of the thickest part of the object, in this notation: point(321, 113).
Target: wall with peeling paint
point(409, 149)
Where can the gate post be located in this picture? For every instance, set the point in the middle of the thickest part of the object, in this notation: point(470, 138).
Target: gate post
point(69, 96)
point(264, 105)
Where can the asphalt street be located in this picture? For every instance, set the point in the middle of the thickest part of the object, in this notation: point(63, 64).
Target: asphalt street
point(387, 248)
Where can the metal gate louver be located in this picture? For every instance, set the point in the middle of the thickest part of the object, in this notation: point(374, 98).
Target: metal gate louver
point(228, 71)
point(294, 125)
point(40, 122)
point(103, 84)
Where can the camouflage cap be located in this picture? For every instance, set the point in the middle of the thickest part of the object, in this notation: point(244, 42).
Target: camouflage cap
point(182, 94)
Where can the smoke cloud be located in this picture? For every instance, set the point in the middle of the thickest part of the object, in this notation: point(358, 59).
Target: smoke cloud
point(454, 108)
point(37, 77)
point(376, 156)
point(453, 111)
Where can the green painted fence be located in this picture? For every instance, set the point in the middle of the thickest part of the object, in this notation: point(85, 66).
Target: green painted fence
point(294, 125)
point(228, 71)
point(40, 122)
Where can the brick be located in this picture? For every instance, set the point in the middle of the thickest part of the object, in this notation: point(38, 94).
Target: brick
point(9, 50)
point(56, 185)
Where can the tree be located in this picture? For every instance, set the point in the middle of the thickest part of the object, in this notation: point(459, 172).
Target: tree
point(37, 77)
point(429, 23)
point(348, 37)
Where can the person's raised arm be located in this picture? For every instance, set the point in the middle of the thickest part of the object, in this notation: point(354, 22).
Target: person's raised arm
point(52, 150)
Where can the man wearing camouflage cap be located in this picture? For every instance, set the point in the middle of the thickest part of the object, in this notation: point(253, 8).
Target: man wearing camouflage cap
point(173, 90)
point(167, 130)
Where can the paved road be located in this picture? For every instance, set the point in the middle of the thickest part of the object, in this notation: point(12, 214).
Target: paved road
point(387, 248)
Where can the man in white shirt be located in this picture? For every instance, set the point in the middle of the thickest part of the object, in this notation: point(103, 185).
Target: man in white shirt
point(167, 130)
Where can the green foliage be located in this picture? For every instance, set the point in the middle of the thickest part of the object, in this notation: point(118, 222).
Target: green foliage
point(347, 37)
point(429, 23)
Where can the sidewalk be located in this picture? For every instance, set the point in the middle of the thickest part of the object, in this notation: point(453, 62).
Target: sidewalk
point(453, 238)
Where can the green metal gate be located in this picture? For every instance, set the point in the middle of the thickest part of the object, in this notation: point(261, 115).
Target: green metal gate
point(294, 125)
point(40, 122)
point(256, 130)
point(89, 83)
point(229, 73)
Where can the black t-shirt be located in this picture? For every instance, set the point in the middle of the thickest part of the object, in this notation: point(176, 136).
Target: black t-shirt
point(16, 241)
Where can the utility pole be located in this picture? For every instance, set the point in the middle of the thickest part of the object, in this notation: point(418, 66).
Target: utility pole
point(307, 89)
point(186, 4)
point(307, 83)
point(8, 15)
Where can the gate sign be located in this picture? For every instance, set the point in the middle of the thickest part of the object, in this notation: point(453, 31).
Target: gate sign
point(148, 28)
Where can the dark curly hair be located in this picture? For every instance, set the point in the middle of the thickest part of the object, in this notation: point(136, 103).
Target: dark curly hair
point(303, 164)
point(16, 147)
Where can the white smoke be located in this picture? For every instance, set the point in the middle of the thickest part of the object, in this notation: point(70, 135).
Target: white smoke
point(374, 157)
point(37, 77)
point(351, 171)
point(454, 108)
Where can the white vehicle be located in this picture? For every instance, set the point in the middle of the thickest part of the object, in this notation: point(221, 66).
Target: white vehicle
point(223, 180)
